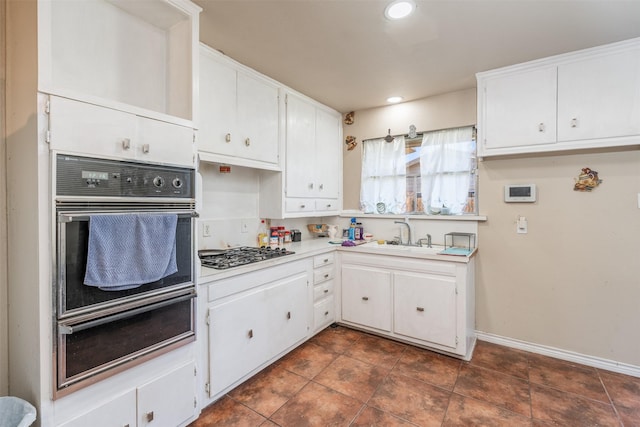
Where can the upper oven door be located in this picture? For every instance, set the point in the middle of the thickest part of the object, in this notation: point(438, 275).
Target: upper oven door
point(74, 297)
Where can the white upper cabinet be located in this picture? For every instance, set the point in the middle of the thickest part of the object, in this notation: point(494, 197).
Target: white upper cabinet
point(134, 56)
point(520, 109)
point(584, 99)
point(301, 147)
point(239, 114)
point(599, 97)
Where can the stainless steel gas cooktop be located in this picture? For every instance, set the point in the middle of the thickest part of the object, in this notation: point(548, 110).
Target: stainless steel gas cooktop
point(221, 259)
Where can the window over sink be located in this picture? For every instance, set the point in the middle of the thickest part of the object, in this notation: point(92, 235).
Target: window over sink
point(433, 173)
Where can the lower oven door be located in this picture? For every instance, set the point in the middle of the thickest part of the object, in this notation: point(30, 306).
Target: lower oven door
point(90, 348)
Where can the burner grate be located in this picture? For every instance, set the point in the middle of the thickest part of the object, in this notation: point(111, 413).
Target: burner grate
point(221, 260)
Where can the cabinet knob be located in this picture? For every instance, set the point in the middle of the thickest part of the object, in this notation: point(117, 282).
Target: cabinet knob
point(145, 148)
point(303, 206)
point(326, 291)
point(247, 142)
point(311, 185)
point(227, 137)
point(574, 122)
point(149, 416)
point(126, 144)
point(365, 298)
point(326, 260)
point(326, 313)
point(326, 276)
point(322, 186)
point(541, 127)
point(420, 308)
point(329, 205)
point(250, 334)
point(288, 315)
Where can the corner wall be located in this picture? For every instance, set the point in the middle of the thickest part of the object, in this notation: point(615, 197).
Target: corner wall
point(4, 350)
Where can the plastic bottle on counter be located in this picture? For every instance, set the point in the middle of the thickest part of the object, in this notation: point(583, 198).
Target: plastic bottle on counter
point(352, 229)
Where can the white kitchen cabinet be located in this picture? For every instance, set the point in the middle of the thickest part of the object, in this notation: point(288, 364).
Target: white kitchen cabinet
point(312, 181)
point(239, 114)
point(139, 57)
point(168, 400)
point(366, 296)
point(86, 129)
point(584, 99)
point(429, 303)
point(425, 307)
point(253, 319)
point(323, 287)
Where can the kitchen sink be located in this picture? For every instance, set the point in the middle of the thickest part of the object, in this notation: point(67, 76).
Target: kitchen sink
point(403, 248)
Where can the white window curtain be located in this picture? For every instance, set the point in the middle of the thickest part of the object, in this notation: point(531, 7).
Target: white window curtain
point(383, 184)
point(447, 165)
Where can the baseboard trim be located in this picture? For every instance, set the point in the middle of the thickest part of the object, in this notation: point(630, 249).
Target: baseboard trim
point(596, 362)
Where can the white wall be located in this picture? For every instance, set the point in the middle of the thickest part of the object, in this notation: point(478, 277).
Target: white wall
point(4, 386)
point(573, 281)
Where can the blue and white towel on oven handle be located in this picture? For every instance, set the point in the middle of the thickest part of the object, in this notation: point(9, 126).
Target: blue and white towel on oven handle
point(129, 250)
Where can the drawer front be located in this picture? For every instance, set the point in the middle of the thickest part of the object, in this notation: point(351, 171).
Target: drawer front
point(299, 205)
point(323, 290)
point(323, 274)
point(326, 205)
point(323, 313)
point(323, 259)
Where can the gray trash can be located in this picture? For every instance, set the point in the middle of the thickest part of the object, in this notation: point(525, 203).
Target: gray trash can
point(15, 412)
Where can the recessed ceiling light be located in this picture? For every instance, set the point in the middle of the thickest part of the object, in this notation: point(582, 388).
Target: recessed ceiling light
point(399, 9)
point(394, 99)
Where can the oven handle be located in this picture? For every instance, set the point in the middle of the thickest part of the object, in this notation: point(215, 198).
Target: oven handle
point(69, 217)
point(66, 329)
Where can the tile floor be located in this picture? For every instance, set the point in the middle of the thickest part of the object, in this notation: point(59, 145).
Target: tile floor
point(343, 377)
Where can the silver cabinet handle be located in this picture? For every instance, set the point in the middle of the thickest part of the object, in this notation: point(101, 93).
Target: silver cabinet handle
point(247, 142)
point(326, 260)
point(326, 276)
point(145, 148)
point(420, 308)
point(541, 127)
point(329, 205)
point(326, 291)
point(288, 315)
point(322, 186)
point(250, 334)
point(326, 313)
point(227, 137)
point(126, 144)
point(303, 206)
point(311, 185)
point(365, 298)
point(149, 416)
point(574, 122)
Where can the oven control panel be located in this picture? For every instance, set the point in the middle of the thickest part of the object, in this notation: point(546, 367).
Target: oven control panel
point(84, 176)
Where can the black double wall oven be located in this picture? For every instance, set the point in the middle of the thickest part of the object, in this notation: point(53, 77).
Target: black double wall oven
point(110, 312)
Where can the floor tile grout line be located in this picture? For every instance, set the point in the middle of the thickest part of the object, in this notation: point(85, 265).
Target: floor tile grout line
point(613, 405)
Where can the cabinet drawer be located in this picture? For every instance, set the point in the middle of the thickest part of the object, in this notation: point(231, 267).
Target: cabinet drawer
point(300, 205)
point(322, 274)
point(326, 205)
point(324, 259)
point(323, 313)
point(322, 290)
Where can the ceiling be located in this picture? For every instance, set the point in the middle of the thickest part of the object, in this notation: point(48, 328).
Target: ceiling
point(347, 55)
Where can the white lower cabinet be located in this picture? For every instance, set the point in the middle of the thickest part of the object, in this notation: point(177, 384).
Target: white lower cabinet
point(424, 302)
point(253, 319)
point(323, 285)
point(166, 401)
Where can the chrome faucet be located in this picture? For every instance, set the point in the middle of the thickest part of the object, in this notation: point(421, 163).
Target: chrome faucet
point(408, 243)
point(428, 239)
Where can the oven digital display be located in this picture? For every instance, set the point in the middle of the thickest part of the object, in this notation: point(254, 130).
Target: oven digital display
point(95, 175)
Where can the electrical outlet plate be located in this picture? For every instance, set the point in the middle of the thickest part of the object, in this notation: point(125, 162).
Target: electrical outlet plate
point(207, 228)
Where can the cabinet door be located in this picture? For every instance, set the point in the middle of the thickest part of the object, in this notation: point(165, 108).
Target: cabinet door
point(168, 400)
point(257, 119)
point(300, 163)
point(120, 411)
point(328, 154)
point(425, 307)
point(366, 296)
point(288, 312)
point(218, 109)
point(165, 143)
point(83, 128)
point(599, 97)
point(520, 109)
point(238, 339)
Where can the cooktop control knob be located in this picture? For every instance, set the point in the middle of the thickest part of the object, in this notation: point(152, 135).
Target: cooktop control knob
point(158, 181)
point(177, 183)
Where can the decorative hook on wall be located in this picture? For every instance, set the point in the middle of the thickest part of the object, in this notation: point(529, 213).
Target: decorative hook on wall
point(389, 138)
point(351, 142)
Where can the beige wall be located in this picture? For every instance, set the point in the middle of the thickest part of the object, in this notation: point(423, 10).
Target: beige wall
point(3, 218)
point(438, 112)
point(573, 281)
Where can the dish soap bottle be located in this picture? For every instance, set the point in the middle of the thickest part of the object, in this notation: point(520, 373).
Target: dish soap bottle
point(352, 229)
